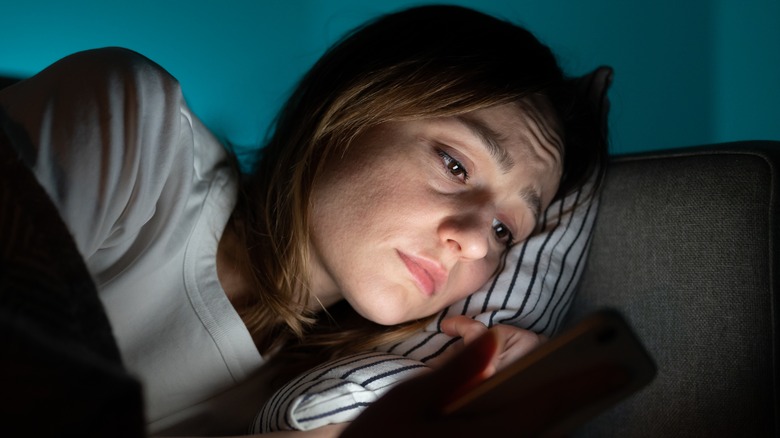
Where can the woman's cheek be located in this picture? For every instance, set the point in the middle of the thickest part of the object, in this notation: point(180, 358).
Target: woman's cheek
point(472, 279)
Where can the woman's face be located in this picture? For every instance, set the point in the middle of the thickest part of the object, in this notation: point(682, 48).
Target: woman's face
point(416, 215)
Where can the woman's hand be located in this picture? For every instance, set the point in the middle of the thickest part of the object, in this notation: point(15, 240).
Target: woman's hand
point(413, 408)
point(552, 408)
point(516, 342)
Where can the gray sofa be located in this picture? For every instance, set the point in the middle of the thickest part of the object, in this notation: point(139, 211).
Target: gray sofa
point(685, 246)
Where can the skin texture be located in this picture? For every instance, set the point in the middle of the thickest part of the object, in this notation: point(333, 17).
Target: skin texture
point(413, 216)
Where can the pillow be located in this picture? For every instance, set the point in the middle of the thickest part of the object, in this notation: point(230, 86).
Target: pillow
point(334, 392)
point(533, 291)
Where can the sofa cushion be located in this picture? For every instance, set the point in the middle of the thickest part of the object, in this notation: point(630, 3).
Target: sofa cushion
point(685, 247)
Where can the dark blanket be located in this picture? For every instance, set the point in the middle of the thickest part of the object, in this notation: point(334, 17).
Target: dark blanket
point(60, 369)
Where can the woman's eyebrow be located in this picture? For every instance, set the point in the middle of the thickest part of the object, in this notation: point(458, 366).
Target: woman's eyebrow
point(490, 139)
point(531, 197)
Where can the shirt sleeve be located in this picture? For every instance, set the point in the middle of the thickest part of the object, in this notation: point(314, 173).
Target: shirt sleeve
point(101, 132)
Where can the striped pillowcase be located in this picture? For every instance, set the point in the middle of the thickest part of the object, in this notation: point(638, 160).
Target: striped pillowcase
point(533, 291)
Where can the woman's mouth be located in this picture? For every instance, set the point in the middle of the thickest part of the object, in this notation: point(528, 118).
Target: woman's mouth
point(428, 275)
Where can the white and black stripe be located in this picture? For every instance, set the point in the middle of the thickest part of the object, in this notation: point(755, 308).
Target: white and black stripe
point(334, 392)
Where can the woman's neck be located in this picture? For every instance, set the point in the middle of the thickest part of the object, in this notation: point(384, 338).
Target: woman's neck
point(233, 267)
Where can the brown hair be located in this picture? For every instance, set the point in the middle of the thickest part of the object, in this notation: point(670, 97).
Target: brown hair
point(423, 62)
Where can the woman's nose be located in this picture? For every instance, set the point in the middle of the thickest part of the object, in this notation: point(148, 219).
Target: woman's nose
point(468, 236)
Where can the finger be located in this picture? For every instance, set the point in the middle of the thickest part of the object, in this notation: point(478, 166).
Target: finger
point(517, 343)
point(472, 362)
point(463, 326)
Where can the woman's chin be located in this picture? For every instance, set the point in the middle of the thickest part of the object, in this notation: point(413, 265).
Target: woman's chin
point(387, 320)
point(387, 315)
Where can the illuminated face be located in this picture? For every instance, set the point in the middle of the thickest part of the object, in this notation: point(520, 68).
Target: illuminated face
point(416, 215)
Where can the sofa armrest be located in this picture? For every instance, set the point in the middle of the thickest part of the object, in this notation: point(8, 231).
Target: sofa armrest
point(685, 245)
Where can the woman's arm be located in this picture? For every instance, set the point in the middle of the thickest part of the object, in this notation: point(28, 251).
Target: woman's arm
point(330, 431)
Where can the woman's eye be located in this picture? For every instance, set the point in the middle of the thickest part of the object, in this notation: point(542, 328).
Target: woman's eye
point(502, 232)
point(454, 166)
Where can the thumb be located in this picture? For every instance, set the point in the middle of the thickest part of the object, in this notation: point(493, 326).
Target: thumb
point(464, 327)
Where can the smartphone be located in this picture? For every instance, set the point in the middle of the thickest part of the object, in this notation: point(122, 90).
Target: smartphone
point(567, 380)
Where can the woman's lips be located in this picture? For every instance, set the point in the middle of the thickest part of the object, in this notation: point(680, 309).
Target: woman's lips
point(428, 275)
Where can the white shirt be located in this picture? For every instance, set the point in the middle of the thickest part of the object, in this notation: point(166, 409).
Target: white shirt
point(146, 191)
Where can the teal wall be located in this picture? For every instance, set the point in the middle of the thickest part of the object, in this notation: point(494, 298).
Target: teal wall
point(687, 71)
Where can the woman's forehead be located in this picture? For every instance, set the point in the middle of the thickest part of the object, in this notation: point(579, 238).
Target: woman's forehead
point(540, 116)
point(527, 130)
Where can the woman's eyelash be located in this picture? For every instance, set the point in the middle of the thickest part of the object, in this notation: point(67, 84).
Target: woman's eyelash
point(503, 234)
point(454, 166)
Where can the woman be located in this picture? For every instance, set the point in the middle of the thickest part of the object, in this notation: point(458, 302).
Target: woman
point(404, 164)
point(425, 63)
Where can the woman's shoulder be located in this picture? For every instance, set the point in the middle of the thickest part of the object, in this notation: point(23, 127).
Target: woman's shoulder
point(116, 63)
point(97, 86)
point(106, 129)
point(124, 75)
